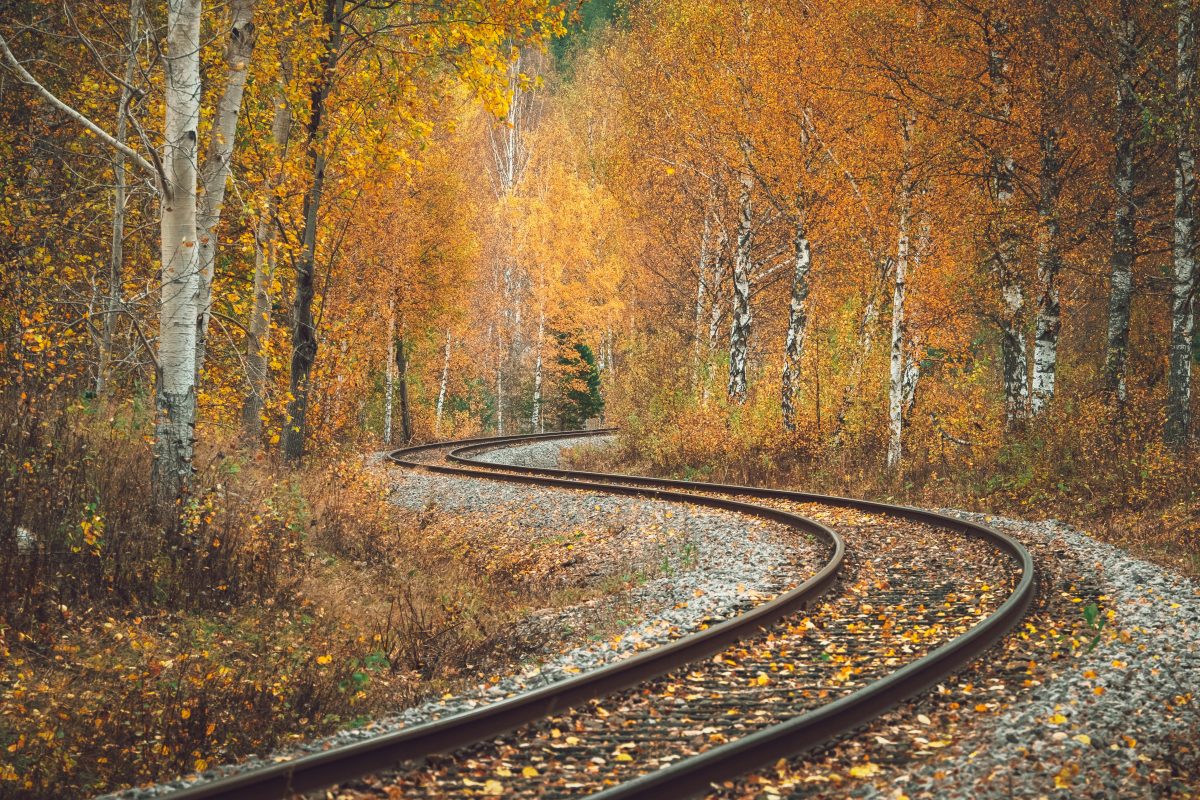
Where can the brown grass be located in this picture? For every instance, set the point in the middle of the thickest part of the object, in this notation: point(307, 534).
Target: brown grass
point(286, 605)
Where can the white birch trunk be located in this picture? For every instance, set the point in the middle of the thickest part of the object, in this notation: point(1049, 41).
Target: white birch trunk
point(739, 333)
point(702, 291)
point(1183, 287)
point(793, 349)
point(175, 391)
point(218, 161)
point(1003, 259)
point(499, 384)
point(442, 385)
point(898, 360)
point(175, 399)
point(535, 421)
point(1049, 323)
point(1125, 218)
point(389, 373)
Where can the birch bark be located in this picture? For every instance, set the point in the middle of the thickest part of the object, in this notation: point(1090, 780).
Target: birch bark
point(442, 384)
point(1049, 259)
point(1125, 218)
point(175, 398)
point(218, 161)
point(1014, 356)
point(739, 334)
point(898, 361)
point(175, 176)
point(793, 349)
point(1183, 288)
point(535, 421)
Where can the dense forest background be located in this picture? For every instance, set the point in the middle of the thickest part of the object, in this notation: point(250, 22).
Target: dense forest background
point(930, 250)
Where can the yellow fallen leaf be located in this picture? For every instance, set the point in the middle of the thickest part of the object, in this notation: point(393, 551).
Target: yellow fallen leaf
point(1082, 738)
point(504, 772)
point(529, 772)
point(622, 756)
point(1057, 719)
point(864, 770)
point(493, 787)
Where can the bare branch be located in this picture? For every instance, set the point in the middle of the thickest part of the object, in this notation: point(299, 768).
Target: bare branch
point(50, 98)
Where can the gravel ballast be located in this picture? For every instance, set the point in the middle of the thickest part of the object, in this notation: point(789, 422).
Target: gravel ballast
point(1046, 714)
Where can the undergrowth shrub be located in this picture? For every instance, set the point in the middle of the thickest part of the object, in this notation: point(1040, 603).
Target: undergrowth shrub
point(284, 604)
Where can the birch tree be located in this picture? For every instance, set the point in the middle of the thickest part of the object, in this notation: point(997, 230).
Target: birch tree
point(897, 371)
point(1124, 236)
point(218, 160)
point(739, 331)
point(443, 383)
point(173, 171)
point(793, 348)
point(1183, 287)
point(1004, 239)
point(1049, 231)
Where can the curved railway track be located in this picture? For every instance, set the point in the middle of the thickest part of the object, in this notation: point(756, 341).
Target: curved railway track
point(919, 595)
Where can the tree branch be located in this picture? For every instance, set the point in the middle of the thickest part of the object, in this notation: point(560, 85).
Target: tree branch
point(50, 98)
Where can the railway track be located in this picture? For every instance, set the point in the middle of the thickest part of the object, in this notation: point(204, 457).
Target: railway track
point(904, 598)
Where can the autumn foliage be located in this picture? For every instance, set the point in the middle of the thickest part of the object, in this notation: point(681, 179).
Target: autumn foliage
point(928, 250)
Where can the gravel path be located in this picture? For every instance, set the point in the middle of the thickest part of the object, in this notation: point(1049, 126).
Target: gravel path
point(712, 565)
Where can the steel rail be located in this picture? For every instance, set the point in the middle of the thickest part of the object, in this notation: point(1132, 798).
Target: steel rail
point(319, 770)
point(805, 732)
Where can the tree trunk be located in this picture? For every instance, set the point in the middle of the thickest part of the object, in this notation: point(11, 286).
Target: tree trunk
point(499, 383)
point(389, 373)
point(1049, 260)
point(445, 381)
point(1183, 288)
point(406, 429)
point(175, 400)
point(697, 325)
point(1014, 356)
point(116, 260)
point(898, 363)
point(739, 334)
point(218, 161)
point(536, 419)
point(265, 254)
point(1125, 219)
point(304, 332)
point(793, 349)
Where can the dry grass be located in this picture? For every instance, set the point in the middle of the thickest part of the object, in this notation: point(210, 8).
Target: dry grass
point(285, 605)
point(1114, 481)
